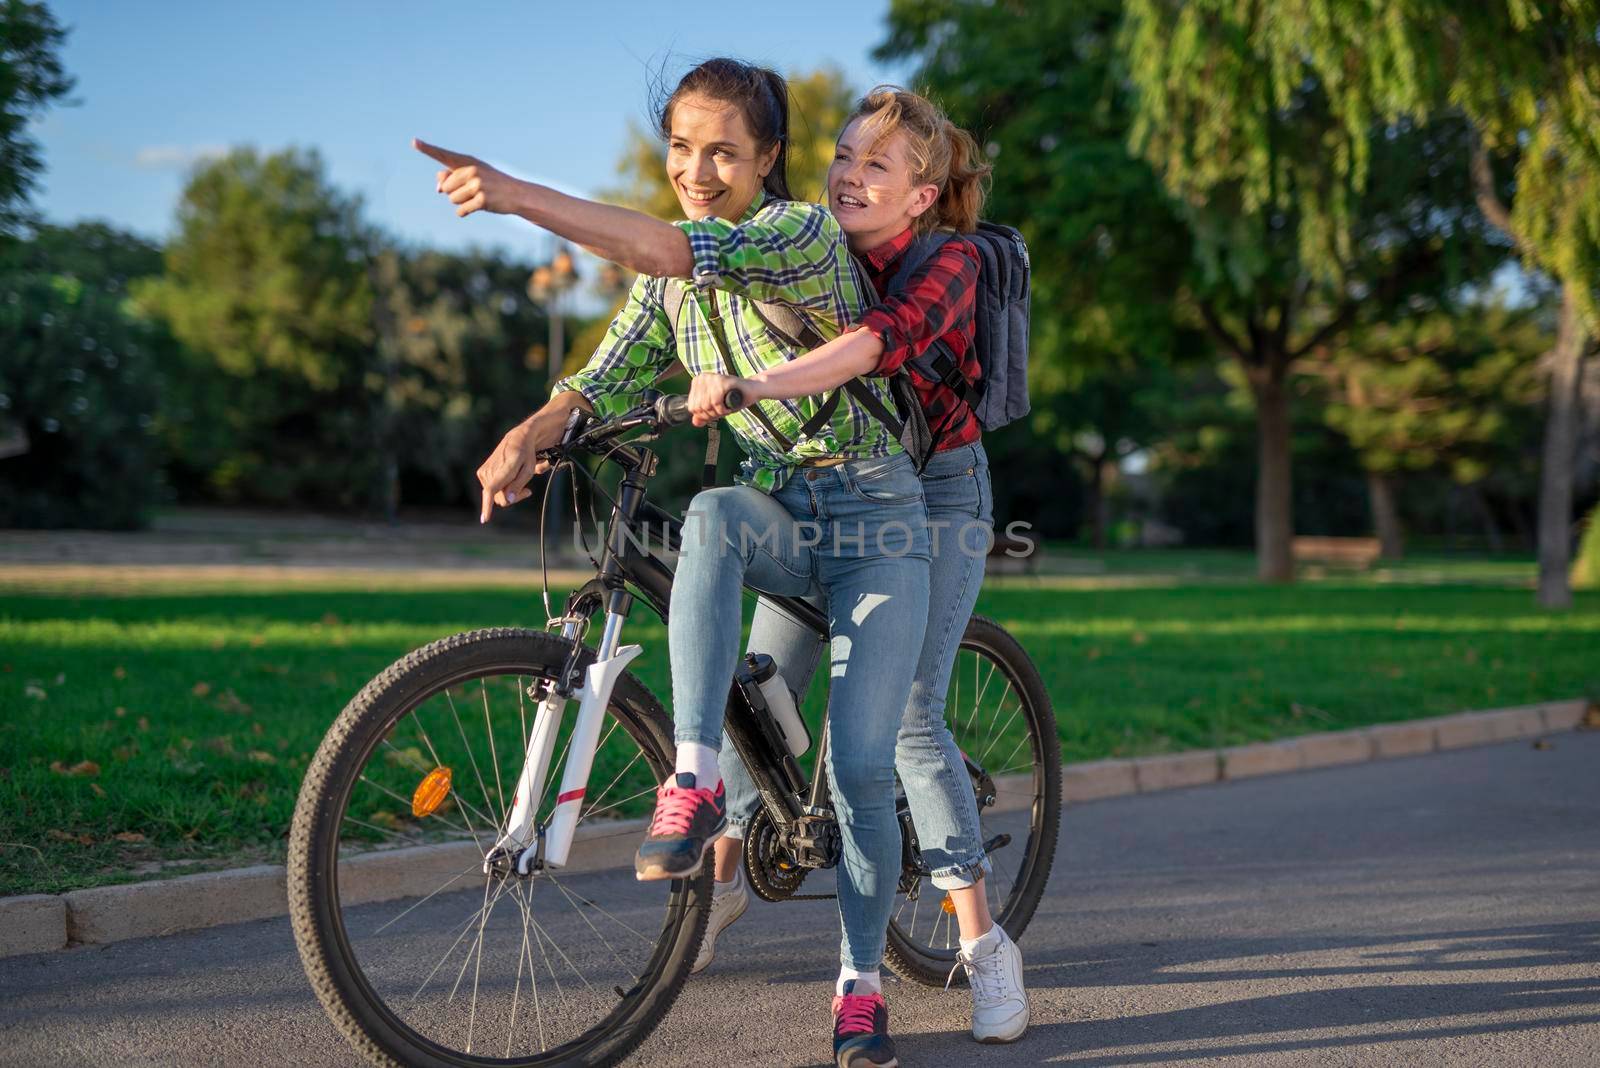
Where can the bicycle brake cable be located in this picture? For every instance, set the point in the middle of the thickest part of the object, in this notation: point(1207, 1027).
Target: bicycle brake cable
point(544, 559)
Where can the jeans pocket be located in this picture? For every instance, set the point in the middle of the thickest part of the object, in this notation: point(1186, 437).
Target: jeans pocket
point(890, 481)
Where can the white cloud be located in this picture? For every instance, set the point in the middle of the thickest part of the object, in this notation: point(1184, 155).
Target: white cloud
point(175, 157)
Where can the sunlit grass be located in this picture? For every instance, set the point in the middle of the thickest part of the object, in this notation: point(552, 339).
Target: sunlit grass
point(182, 719)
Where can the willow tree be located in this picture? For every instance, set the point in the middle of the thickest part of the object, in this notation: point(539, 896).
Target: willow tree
point(1526, 77)
point(1043, 87)
point(1293, 246)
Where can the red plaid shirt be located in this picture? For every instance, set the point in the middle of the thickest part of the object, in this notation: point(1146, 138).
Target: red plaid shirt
point(937, 301)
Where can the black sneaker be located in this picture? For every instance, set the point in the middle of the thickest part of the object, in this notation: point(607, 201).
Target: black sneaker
point(861, 1030)
point(688, 820)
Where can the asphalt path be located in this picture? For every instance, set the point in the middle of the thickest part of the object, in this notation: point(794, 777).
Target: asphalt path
point(1440, 910)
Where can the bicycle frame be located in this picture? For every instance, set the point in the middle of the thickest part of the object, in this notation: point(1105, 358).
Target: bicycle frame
point(627, 560)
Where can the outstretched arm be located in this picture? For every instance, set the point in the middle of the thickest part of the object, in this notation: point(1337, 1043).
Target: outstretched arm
point(630, 238)
point(850, 355)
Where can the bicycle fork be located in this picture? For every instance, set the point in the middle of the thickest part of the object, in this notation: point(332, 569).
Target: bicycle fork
point(551, 845)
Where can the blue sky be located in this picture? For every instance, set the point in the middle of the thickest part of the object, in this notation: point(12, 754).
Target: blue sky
point(543, 90)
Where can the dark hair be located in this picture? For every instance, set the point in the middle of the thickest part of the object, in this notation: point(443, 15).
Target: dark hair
point(761, 95)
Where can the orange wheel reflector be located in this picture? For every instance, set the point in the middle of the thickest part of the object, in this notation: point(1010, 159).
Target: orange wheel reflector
point(431, 792)
point(948, 905)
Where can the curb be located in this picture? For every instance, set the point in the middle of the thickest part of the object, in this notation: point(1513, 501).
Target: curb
point(1114, 778)
point(41, 923)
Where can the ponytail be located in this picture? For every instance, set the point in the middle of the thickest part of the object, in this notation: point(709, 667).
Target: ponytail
point(961, 200)
point(776, 183)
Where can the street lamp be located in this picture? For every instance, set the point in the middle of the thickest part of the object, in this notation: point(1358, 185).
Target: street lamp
point(548, 286)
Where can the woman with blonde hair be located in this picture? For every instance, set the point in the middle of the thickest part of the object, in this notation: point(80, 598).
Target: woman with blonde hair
point(905, 183)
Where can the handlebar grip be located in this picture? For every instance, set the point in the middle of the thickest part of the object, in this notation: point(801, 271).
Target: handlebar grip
point(733, 400)
point(673, 411)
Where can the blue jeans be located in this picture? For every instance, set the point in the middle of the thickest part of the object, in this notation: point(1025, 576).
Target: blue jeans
point(938, 789)
point(854, 537)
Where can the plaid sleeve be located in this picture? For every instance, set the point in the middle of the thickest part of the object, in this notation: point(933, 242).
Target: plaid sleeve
point(939, 297)
point(638, 347)
point(788, 252)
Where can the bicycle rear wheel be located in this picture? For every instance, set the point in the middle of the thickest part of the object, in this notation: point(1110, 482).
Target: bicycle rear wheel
point(419, 956)
point(999, 713)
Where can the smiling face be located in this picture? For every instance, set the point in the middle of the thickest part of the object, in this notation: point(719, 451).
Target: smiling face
point(713, 161)
point(872, 187)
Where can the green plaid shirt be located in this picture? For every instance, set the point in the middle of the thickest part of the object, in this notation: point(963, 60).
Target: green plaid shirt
point(780, 252)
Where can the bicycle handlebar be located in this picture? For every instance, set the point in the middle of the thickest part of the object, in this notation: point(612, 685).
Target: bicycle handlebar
point(586, 432)
point(674, 410)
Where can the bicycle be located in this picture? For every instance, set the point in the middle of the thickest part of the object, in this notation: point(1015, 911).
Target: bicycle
point(399, 870)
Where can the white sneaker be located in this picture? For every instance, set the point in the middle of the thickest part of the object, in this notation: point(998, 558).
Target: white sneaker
point(999, 1002)
point(728, 903)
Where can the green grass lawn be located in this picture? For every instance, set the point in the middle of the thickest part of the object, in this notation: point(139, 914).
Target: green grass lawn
point(165, 728)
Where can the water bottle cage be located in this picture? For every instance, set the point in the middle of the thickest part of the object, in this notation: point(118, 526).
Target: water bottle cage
point(761, 715)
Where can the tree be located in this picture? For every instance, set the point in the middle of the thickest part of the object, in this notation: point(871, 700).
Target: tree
point(80, 377)
point(1291, 252)
point(31, 78)
point(267, 285)
point(1043, 87)
point(1450, 392)
point(458, 361)
point(818, 104)
point(1526, 77)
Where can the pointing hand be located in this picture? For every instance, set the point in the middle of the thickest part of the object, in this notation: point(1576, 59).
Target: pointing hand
point(471, 184)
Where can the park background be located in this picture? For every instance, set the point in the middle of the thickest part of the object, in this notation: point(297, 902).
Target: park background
point(1332, 271)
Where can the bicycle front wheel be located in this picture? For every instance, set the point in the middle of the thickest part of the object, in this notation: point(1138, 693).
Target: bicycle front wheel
point(418, 955)
point(999, 713)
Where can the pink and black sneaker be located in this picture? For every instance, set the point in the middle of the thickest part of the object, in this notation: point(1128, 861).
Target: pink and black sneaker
point(688, 820)
point(861, 1031)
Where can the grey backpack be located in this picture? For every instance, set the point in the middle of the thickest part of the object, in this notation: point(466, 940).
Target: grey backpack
point(1000, 338)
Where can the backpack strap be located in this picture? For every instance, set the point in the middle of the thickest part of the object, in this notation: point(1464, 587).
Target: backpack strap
point(673, 295)
point(942, 361)
point(714, 317)
point(797, 332)
point(916, 254)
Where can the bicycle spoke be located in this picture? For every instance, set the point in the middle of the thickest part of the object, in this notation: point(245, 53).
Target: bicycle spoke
point(997, 735)
point(540, 935)
point(466, 928)
point(493, 809)
point(454, 964)
point(584, 979)
point(617, 804)
point(597, 798)
point(467, 808)
point(406, 801)
point(475, 866)
point(494, 758)
point(533, 978)
point(603, 912)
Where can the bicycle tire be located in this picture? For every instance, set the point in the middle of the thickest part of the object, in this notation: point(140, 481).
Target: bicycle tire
point(347, 982)
point(928, 955)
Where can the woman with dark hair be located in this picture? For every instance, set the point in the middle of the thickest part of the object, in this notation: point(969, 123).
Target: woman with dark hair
point(832, 510)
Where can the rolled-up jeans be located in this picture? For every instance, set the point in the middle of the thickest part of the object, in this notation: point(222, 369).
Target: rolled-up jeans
point(853, 537)
point(939, 792)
